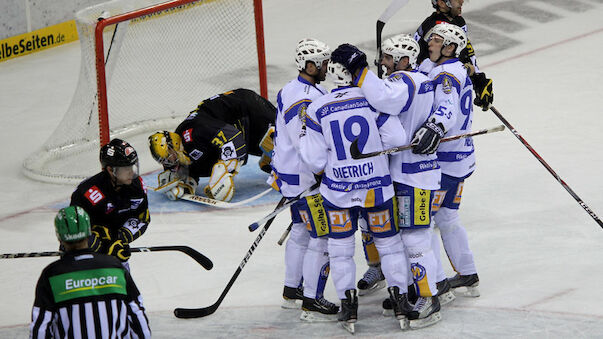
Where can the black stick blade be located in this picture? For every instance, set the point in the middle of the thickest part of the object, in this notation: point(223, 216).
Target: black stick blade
point(354, 151)
point(189, 313)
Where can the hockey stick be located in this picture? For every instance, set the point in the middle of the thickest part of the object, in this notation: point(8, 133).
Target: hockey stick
point(187, 313)
point(254, 226)
point(222, 204)
point(385, 16)
point(279, 205)
point(198, 257)
point(356, 154)
point(285, 234)
point(566, 186)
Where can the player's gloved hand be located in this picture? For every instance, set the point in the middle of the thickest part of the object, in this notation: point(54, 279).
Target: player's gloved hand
point(120, 250)
point(350, 57)
point(99, 236)
point(221, 184)
point(166, 177)
point(484, 96)
point(124, 234)
point(427, 138)
point(186, 185)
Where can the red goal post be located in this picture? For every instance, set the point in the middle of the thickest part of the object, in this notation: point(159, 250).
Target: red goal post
point(144, 68)
point(100, 55)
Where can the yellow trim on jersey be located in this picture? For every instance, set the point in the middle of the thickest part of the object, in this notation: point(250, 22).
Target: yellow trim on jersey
point(361, 76)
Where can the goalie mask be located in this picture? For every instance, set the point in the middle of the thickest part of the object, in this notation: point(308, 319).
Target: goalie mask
point(451, 34)
point(400, 46)
point(123, 160)
point(167, 149)
point(311, 50)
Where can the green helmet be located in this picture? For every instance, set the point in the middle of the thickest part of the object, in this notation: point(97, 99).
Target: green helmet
point(72, 224)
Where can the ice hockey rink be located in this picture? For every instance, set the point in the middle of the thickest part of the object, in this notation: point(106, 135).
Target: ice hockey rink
point(539, 254)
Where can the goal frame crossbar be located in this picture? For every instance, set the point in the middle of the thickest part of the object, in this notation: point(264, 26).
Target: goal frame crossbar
point(103, 116)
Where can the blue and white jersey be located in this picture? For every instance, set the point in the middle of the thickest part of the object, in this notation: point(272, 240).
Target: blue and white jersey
point(453, 107)
point(409, 96)
point(292, 175)
point(335, 120)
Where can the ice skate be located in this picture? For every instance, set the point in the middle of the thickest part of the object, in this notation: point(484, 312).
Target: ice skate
point(349, 311)
point(290, 297)
point(445, 295)
point(371, 281)
point(318, 310)
point(470, 282)
point(400, 306)
point(425, 312)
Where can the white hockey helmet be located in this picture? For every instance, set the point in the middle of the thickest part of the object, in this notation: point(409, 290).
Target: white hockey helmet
point(339, 74)
point(434, 3)
point(402, 45)
point(311, 50)
point(452, 34)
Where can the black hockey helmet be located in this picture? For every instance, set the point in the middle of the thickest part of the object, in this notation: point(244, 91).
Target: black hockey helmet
point(118, 153)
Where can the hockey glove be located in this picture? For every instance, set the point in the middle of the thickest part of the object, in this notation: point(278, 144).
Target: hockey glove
point(120, 250)
point(221, 184)
point(483, 91)
point(186, 185)
point(350, 57)
point(427, 138)
point(99, 238)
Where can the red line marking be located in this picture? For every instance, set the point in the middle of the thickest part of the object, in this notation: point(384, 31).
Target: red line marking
point(545, 47)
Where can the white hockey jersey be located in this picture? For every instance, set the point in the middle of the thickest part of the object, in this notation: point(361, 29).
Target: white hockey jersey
point(409, 96)
point(293, 176)
point(335, 120)
point(453, 107)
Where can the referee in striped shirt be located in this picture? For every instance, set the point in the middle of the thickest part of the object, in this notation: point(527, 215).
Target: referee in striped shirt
point(85, 294)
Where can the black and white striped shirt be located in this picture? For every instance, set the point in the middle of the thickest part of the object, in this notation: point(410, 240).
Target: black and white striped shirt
point(88, 295)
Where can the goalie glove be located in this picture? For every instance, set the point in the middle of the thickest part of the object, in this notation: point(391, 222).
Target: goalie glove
point(186, 185)
point(427, 138)
point(221, 184)
point(174, 186)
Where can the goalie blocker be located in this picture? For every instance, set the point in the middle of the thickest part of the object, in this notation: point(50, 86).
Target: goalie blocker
point(214, 141)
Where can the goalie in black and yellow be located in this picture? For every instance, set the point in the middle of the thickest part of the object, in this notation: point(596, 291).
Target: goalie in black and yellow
point(214, 141)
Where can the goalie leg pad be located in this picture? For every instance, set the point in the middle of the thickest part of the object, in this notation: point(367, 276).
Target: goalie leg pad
point(221, 184)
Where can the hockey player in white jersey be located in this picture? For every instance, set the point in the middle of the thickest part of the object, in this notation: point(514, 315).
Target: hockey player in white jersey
point(408, 95)
point(351, 188)
point(453, 111)
point(306, 256)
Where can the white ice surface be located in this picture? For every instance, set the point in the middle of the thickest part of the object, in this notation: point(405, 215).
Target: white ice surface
point(539, 255)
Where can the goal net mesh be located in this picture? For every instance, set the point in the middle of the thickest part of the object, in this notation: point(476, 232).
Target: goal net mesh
point(158, 68)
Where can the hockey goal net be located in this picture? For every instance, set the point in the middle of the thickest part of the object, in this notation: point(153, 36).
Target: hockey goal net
point(144, 67)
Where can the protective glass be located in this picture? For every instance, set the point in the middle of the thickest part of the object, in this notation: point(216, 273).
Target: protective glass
point(126, 174)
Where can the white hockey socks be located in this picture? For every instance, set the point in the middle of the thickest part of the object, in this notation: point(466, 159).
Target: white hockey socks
point(394, 263)
point(455, 240)
point(343, 267)
point(316, 268)
point(422, 260)
point(295, 250)
point(435, 247)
